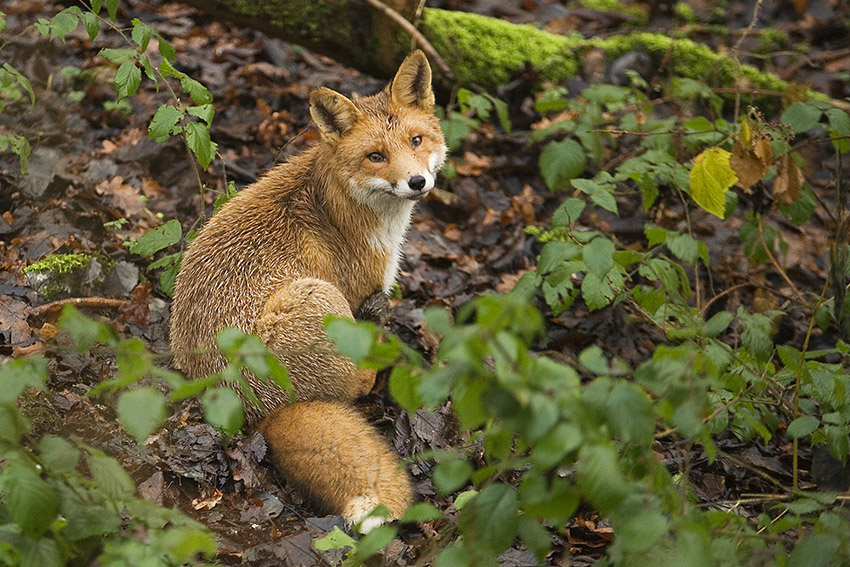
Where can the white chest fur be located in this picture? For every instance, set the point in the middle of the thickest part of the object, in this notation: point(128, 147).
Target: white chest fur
point(389, 239)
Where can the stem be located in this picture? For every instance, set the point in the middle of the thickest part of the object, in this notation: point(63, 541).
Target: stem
point(798, 381)
point(776, 264)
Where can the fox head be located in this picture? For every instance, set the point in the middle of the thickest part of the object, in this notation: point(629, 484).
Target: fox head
point(387, 147)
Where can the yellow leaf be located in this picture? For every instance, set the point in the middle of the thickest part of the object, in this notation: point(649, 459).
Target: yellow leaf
point(710, 177)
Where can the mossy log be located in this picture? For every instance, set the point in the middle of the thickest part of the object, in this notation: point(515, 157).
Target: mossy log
point(481, 51)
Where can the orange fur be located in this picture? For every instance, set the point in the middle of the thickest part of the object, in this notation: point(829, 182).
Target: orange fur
point(315, 236)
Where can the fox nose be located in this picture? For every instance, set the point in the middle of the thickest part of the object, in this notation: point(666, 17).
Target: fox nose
point(417, 182)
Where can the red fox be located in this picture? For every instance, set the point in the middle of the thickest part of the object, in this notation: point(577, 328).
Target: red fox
point(317, 235)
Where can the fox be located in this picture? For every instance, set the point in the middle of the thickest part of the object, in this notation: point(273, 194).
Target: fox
point(319, 234)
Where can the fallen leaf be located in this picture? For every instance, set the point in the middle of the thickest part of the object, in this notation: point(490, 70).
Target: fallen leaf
point(473, 164)
point(124, 197)
point(209, 499)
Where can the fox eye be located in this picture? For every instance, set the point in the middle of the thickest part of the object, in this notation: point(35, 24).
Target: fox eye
point(376, 157)
point(416, 141)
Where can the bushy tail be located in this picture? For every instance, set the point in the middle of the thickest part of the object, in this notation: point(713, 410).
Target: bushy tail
point(332, 453)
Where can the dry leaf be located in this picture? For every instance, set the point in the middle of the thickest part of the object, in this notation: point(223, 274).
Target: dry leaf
point(788, 182)
point(473, 164)
point(124, 197)
point(751, 155)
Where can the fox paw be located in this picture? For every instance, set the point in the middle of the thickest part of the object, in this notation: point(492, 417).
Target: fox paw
point(375, 308)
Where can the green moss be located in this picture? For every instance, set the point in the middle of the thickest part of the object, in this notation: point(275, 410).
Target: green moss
point(684, 12)
point(490, 52)
point(59, 263)
point(487, 51)
point(689, 59)
point(636, 11)
point(63, 275)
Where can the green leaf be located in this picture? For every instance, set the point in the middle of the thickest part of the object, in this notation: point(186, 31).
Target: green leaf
point(22, 373)
point(598, 255)
point(568, 212)
point(196, 90)
point(594, 360)
point(554, 253)
point(223, 409)
point(535, 537)
point(198, 140)
point(352, 339)
point(718, 323)
point(57, 455)
point(336, 539)
point(601, 194)
point(814, 551)
point(83, 330)
point(422, 512)
point(63, 24)
point(91, 24)
point(141, 412)
point(656, 235)
point(596, 291)
point(463, 498)
point(802, 426)
point(710, 177)
point(29, 500)
point(127, 79)
point(118, 56)
point(163, 122)
point(555, 445)
point(642, 531)
point(43, 552)
point(111, 477)
point(156, 239)
point(683, 247)
point(451, 475)
point(453, 556)
point(374, 541)
point(630, 414)
point(142, 34)
point(404, 388)
point(495, 517)
point(600, 477)
point(166, 49)
point(801, 117)
point(112, 8)
point(204, 112)
point(21, 80)
point(560, 162)
point(170, 265)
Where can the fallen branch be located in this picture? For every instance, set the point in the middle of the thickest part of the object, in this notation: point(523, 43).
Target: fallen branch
point(417, 36)
point(102, 302)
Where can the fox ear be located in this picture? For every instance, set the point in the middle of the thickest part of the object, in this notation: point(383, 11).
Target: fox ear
point(412, 83)
point(334, 114)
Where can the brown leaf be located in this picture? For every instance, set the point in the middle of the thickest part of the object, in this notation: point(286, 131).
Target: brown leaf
point(751, 155)
point(137, 310)
point(473, 164)
point(124, 197)
point(788, 182)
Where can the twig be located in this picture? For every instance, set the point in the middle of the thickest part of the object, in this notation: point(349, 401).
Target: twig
point(416, 35)
point(776, 264)
point(798, 381)
point(737, 47)
point(54, 306)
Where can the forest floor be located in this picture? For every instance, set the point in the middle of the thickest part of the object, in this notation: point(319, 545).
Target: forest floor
point(92, 168)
